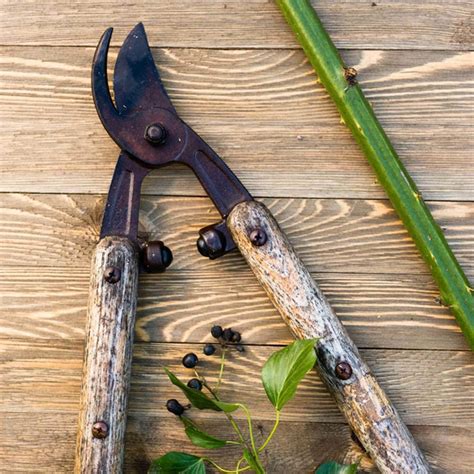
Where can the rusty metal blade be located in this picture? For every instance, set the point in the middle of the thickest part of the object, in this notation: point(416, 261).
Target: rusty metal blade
point(137, 83)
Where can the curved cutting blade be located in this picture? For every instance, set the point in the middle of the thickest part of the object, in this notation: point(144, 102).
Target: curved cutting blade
point(137, 84)
point(100, 87)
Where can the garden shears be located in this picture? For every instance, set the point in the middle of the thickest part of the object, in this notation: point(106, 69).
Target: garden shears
point(144, 124)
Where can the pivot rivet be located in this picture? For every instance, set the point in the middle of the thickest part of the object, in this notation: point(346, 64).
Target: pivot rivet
point(258, 237)
point(100, 430)
point(343, 371)
point(155, 133)
point(112, 274)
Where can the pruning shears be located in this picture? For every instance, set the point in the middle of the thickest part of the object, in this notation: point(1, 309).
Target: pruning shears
point(142, 121)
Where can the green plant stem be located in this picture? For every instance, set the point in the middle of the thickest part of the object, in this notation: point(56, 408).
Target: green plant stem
point(357, 114)
point(228, 415)
point(272, 432)
point(239, 462)
point(221, 371)
point(249, 422)
point(221, 469)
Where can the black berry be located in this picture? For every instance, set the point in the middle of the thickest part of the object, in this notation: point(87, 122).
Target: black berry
point(227, 334)
point(209, 349)
point(236, 336)
point(195, 384)
point(174, 407)
point(216, 331)
point(190, 360)
point(240, 348)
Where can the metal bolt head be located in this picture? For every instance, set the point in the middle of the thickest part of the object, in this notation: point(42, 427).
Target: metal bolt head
point(343, 371)
point(258, 237)
point(100, 430)
point(155, 133)
point(156, 257)
point(211, 244)
point(112, 274)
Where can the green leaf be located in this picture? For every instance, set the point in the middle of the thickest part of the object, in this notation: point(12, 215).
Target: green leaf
point(332, 467)
point(199, 438)
point(227, 407)
point(177, 463)
point(199, 399)
point(285, 369)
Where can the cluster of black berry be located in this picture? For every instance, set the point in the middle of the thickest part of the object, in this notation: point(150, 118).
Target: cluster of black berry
point(227, 336)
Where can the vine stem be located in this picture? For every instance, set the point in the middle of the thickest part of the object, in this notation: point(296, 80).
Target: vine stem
point(221, 469)
point(356, 112)
point(239, 462)
point(228, 415)
point(272, 432)
point(249, 422)
point(221, 371)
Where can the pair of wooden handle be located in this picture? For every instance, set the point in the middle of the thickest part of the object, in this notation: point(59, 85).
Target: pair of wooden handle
point(303, 307)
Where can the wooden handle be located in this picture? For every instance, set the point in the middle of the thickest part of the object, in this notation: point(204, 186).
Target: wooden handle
point(306, 311)
point(108, 357)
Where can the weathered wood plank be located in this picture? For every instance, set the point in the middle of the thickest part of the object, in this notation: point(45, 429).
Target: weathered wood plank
point(330, 235)
point(356, 250)
point(297, 446)
point(39, 376)
point(394, 24)
point(260, 109)
point(378, 310)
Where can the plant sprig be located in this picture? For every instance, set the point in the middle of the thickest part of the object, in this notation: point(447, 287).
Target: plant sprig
point(281, 375)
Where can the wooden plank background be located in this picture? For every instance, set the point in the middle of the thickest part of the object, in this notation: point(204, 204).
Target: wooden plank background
point(236, 74)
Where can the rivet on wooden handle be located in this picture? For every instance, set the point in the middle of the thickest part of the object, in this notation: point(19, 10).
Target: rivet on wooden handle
point(307, 312)
point(108, 357)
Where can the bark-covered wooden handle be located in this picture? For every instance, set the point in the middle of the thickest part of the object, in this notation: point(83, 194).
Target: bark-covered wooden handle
point(306, 311)
point(108, 357)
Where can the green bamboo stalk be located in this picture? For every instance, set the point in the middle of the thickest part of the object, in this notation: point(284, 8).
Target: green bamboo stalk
point(356, 112)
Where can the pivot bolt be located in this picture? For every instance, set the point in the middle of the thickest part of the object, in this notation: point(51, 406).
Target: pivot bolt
point(112, 274)
point(343, 371)
point(258, 237)
point(155, 134)
point(100, 430)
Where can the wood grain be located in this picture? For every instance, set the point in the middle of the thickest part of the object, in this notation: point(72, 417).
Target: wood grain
point(180, 306)
point(40, 384)
point(236, 74)
point(330, 235)
point(428, 24)
point(107, 357)
point(148, 437)
point(356, 249)
point(253, 107)
point(307, 312)
point(31, 371)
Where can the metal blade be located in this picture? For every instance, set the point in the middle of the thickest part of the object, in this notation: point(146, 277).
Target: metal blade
point(137, 83)
point(100, 88)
